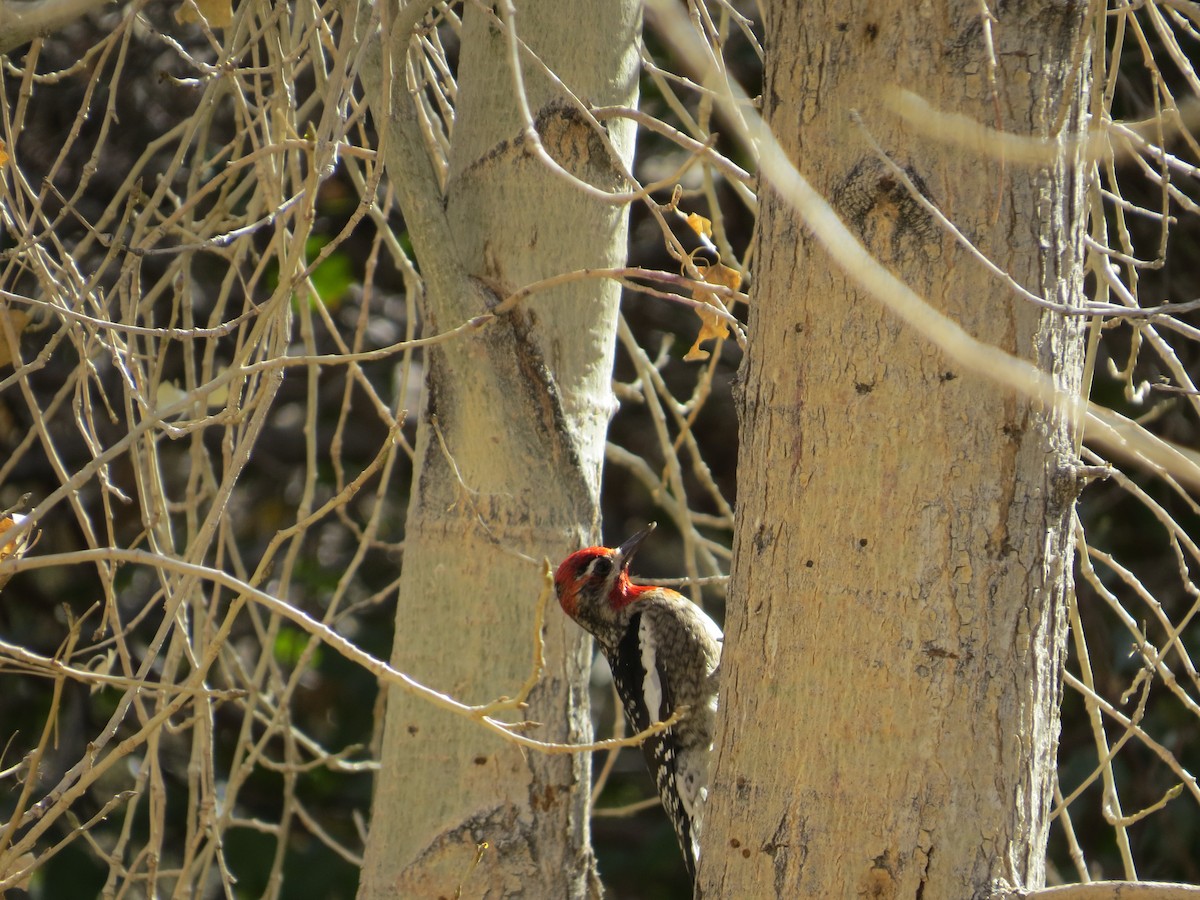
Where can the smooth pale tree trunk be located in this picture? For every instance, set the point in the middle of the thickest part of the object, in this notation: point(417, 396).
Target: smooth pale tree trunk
point(902, 560)
point(509, 450)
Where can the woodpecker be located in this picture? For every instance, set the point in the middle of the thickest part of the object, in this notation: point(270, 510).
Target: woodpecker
point(664, 653)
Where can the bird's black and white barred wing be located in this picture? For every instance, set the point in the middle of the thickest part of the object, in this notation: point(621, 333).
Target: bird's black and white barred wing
point(648, 696)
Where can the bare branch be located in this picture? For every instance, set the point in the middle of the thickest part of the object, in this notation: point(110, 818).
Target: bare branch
point(25, 20)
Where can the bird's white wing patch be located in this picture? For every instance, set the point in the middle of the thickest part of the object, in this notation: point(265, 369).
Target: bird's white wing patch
point(693, 794)
point(651, 686)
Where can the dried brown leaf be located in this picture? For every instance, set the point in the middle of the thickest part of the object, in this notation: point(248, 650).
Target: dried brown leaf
point(218, 13)
point(699, 224)
point(13, 320)
point(712, 325)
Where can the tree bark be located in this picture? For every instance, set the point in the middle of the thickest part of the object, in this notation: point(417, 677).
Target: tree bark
point(902, 560)
point(509, 451)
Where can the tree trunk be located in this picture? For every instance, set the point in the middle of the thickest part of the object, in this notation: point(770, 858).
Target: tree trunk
point(902, 560)
point(509, 451)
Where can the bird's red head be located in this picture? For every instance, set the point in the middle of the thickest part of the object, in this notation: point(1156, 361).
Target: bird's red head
point(593, 583)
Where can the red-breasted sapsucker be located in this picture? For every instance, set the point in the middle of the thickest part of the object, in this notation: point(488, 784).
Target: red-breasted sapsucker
point(664, 654)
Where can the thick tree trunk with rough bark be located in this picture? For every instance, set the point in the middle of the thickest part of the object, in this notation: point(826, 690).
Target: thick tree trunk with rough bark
point(509, 451)
point(902, 563)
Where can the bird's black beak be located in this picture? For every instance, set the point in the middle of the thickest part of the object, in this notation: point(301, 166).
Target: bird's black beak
point(627, 550)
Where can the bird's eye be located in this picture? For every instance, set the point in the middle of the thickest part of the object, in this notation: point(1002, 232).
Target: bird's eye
point(600, 567)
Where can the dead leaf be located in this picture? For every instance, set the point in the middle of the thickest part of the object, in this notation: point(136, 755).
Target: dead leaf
point(218, 13)
point(14, 547)
point(719, 273)
point(169, 393)
point(24, 861)
point(14, 321)
point(711, 324)
point(166, 394)
point(3, 153)
point(699, 224)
